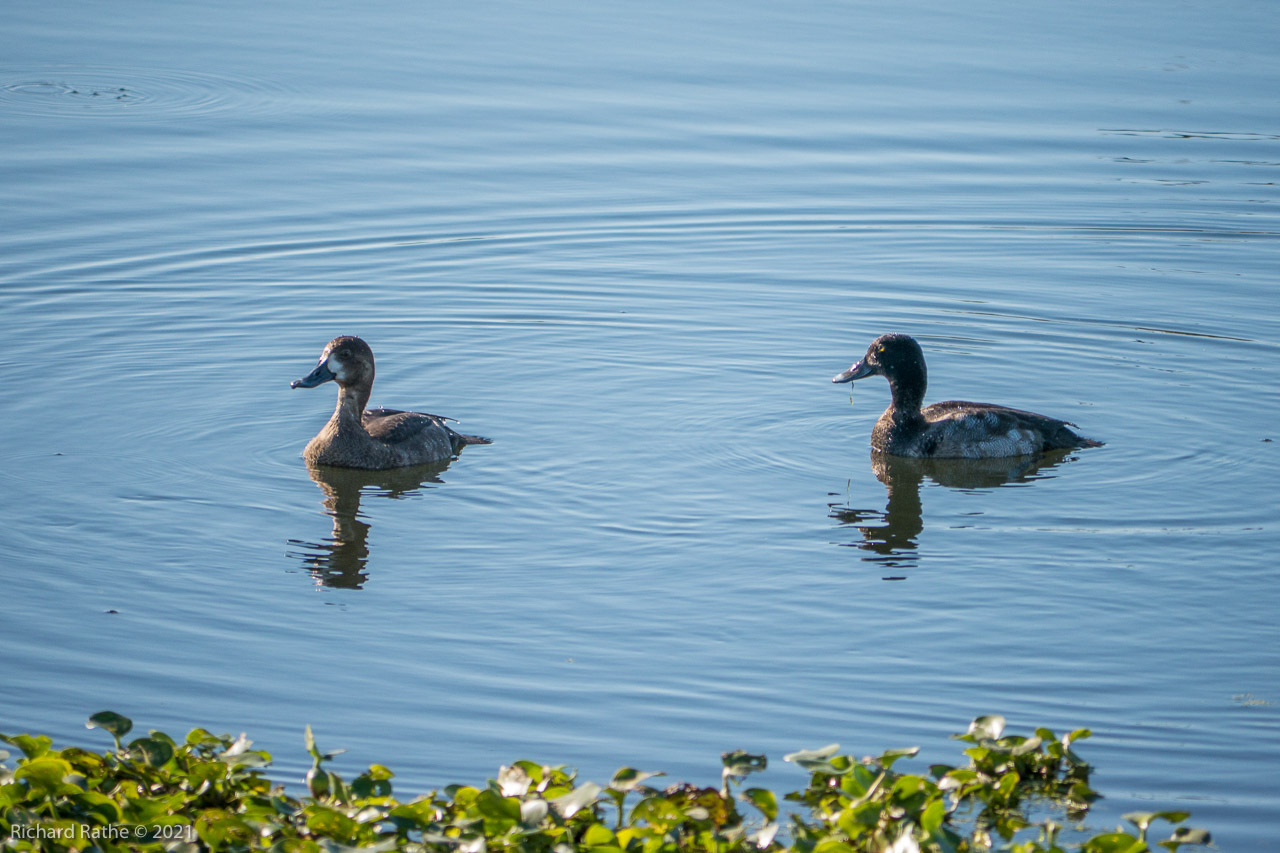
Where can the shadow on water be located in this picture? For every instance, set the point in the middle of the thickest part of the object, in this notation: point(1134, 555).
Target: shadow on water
point(340, 560)
point(891, 536)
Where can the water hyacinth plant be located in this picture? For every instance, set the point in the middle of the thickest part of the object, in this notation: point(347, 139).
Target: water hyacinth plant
point(210, 792)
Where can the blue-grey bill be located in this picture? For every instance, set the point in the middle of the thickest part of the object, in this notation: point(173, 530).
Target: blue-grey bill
point(858, 371)
point(319, 376)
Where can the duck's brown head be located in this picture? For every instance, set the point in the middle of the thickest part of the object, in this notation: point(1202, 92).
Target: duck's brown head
point(346, 360)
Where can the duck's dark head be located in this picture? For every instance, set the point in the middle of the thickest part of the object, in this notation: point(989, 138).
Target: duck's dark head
point(899, 359)
point(346, 360)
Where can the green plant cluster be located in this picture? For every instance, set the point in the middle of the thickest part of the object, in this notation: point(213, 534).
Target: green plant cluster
point(210, 793)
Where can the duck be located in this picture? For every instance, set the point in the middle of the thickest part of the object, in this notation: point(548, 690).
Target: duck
point(955, 429)
point(373, 439)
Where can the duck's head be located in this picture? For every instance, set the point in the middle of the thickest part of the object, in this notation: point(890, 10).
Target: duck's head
point(895, 357)
point(346, 360)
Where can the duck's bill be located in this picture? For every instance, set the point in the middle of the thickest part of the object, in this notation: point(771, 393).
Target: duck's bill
point(319, 376)
point(861, 370)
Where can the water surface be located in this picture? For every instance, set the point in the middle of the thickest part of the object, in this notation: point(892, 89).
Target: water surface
point(632, 245)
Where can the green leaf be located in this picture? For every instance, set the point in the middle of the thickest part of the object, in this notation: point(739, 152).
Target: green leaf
point(1078, 734)
point(32, 747)
point(739, 763)
point(988, 727)
point(1027, 745)
point(910, 786)
point(379, 773)
point(1114, 842)
point(208, 772)
point(420, 812)
point(319, 782)
point(158, 735)
point(117, 725)
point(238, 754)
point(538, 775)
point(628, 778)
point(1082, 794)
point(201, 737)
point(763, 799)
point(1140, 819)
point(462, 795)
point(658, 812)
point(494, 806)
point(310, 740)
point(956, 777)
point(577, 799)
point(95, 803)
point(330, 823)
point(597, 835)
point(932, 816)
point(888, 757)
point(153, 752)
point(815, 760)
point(238, 747)
point(1009, 783)
point(1186, 835)
point(374, 782)
point(45, 773)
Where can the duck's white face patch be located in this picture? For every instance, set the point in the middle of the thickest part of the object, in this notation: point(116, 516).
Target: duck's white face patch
point(336, 367)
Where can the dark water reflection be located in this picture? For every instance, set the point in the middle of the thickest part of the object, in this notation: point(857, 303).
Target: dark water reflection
point(891, 536)
point(340, 560)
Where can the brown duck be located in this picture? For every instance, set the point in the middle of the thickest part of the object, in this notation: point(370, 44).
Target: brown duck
point(376, 438)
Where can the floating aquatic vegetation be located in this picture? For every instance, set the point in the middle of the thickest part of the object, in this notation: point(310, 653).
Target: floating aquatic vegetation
point(210, 793)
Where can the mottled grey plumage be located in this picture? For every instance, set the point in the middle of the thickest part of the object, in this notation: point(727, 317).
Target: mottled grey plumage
point(954, 429)
point(377, 438)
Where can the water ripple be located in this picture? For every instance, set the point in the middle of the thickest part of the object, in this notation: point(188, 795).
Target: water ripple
point(112, 91)
point(505, 241)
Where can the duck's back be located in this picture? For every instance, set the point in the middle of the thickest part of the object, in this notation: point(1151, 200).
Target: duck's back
point(399, 429)
point(958, 429)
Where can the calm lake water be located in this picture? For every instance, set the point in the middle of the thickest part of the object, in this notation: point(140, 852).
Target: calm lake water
point(632, 243)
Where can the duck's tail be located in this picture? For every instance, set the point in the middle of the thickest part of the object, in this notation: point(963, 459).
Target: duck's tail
point(1062, 437)
point(461, 440)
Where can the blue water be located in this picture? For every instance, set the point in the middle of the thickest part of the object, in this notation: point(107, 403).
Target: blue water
point(631, 244)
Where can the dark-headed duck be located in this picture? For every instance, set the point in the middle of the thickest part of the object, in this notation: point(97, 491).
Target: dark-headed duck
point(954, 429)
point(377, 438)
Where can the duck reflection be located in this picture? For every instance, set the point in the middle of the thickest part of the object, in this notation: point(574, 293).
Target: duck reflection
point(890, 537)
point(340, 560)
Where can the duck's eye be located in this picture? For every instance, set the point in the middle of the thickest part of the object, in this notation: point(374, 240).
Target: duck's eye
point(880, 349)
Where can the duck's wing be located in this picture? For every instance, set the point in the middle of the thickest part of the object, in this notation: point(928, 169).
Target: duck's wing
point(393, 426)
point(380, 412)
point(958, 428)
